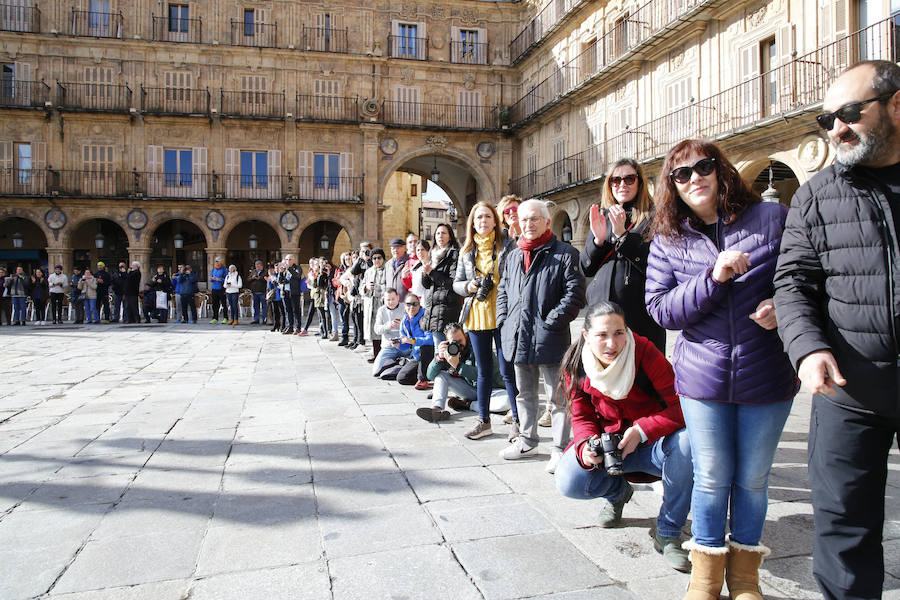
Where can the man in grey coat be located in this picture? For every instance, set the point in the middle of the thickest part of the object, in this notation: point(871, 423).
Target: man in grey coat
point(541, 291)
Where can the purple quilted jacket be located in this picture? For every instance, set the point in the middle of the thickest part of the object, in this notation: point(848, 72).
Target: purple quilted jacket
point(722, 354)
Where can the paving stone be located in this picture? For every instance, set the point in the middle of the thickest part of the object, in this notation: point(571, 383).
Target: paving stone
point(164, 590)
point(377, 530)
point(258, 507)
point(237, 548)
point(789, 578)
point(496, 565)
point(29, 572)
point(609, 592)
point(33, 530)
point(420, 572)
point(363, 491)
point(486, 516)
point(297, 582)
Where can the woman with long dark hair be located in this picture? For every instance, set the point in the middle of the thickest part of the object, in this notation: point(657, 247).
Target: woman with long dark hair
point(437, 278)
point(618, 383)
point(710, 273)
point(615, 253)
point(476, 280)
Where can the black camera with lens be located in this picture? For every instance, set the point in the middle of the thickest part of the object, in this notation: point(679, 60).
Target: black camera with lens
point(607, 445)
point(453, 348)
point(485, 285)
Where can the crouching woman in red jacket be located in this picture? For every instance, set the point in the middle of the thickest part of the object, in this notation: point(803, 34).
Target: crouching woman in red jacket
point(617, 382)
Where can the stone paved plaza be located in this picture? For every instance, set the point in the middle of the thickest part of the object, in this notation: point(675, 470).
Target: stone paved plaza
point(175, 462)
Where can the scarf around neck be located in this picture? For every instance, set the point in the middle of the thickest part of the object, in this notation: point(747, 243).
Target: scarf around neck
point(616, 379)
point(438, 254)
point(527, 246)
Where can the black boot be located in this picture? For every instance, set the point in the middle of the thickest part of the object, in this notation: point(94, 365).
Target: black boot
point(344, 342)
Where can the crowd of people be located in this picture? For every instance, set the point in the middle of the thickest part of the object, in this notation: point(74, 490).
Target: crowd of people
point(765, 299)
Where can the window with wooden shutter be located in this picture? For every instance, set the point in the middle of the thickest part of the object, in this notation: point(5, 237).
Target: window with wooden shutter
point(327, 101)
point(347, 188)
point(274, 175)
point(97, 165)
point(559, 163)
point(469, 109)
point(408, 109)
point(750, 90)
point(530, 175)
point(253, 91)
point(178, 85)
point(199, 169)
point(15, 15)
point(231, 172)
point(678, 97)
point(155, 175)
point(97, 90)
point(305, 175)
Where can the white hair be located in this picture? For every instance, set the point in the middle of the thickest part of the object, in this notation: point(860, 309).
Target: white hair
point(540, 205)
point(136, 264)
point(217, 259)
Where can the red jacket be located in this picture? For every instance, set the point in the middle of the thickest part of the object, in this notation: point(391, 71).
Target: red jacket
point(593, 413)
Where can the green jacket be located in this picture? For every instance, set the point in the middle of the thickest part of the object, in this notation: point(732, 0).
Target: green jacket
point(467, 369)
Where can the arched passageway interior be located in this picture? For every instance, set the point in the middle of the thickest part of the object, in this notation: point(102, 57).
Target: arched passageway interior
point(321, 239)
point(98, 240)
point(22, 243)
point(251, 241)
point(179, 242)
point(783, 179)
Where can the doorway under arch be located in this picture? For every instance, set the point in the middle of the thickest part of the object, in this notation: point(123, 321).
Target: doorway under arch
point(98, 240)
point(179, 242)
point(321, 239)
point(783, 180)
point(23, 243)
point(250, 241)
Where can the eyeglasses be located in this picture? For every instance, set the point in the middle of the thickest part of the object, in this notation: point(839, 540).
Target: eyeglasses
point(411, 303)
point(627, 180)
point(509, 210)
point(848, 113)
point(703, 167)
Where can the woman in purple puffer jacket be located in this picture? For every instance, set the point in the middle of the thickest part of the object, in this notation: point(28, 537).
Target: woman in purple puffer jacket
point(709, 274)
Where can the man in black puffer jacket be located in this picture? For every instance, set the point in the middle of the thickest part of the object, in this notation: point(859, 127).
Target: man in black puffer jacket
point(541, 291)
point(837, 300)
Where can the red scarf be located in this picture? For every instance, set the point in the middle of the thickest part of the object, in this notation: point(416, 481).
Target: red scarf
point(527, 246)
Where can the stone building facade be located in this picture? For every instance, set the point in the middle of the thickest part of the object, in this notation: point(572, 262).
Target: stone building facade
point(169, 132)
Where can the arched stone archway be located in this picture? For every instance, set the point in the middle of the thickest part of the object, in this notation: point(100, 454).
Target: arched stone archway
point(178, 242)
point(353, 230)
point(22, 242)
point(320, 239)
point(99, 239)
point(252, 240)
point(264, 218)
point(157, 218)
point(787, 174)
point(87, 215)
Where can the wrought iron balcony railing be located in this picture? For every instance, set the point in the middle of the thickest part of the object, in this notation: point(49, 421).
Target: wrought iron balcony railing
point(547, 20)
point(15, 17)
point(327, 108)
point(175, 101)
point(265, 105)
point(324, 39)
point(195, 186)
point(439, 116)
point(24, 94)
point(176, 29)
point(102, 97)
point(413, 48)
point(792, 89)
point(261, 35)
point(89, 23)
point(469, 53)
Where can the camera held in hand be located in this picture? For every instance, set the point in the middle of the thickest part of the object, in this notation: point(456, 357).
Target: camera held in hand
point(453, 348)
point(607, 445)
point(485, 285)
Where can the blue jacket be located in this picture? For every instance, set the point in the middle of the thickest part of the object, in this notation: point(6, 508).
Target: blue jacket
point(271, 285)
point(411, 327)
point(188, 283)
point(176, 281)
point(721, 354)
point(220, 272)
point(534, 309)
point(75, 295)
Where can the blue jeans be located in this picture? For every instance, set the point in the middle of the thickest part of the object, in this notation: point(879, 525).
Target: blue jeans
point(669, 458)
point(259, 307)
point(117, 308)
point(484, 359)
point(388, 355)
point(19, 303)
point(91, 312)
point(233, 305)
point(733, 446)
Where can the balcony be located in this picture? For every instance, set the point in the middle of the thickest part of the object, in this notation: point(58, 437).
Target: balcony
point(468, 53)
point(411, 48)
point(439, 116)
point(259, 105)
point(335, 109)
point(94, 97)
point(24, 94)
point(194, 186)
point(324, 39)
point(554, 14)
point(260, 35)
point(166, 29)
point(174, 101)
point(15, 17)
point(86, 23)
point(769, 100)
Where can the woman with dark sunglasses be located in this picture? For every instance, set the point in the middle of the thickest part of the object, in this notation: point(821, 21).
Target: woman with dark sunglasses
point(616, 254)
point(508, 209)
point(710, 274)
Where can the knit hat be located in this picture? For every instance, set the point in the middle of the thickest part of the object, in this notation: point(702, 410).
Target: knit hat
point(378, 252)
point(58, 267)
point(100, 263)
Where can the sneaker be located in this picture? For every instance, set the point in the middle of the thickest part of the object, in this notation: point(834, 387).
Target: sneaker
point(192, 321)
point(433, 414)
point(674, 555)
point(333, 338)
point(480, 430)
point(554, 460)
point(304, 332)
point(611, 514)
point(370, 360)
point(422, 385)
point(213, 321)
point(225, 322)
point(545, 420)
point(513, 431)
point(508, 418)
point(518, 450)
point(458, 404)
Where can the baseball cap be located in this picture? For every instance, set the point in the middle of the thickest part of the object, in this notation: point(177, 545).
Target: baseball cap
point(397, 242)
point(100, 263)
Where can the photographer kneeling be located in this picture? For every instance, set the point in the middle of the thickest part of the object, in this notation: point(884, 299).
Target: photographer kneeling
point(454, 370)
point(621, 391)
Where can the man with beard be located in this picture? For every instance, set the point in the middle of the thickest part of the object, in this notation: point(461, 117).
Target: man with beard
point(837, 301)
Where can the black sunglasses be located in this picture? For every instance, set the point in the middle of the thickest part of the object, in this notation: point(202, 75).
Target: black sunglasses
point(411, 303)
point(703, 167)
point(848, 113)
point(627, 180)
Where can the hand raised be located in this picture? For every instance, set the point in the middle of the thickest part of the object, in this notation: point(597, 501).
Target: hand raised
point(617, 217)
point(598, 225)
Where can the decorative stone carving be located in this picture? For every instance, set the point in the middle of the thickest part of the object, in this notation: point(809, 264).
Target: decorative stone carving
point(811, 152)
point(368, 108)
point(437, 142)
point(289, 220)
point(469, 81)
point(438, 12)
point(55, 219)
point(327, 138)
point(469, 17)
point(136, 219)
point(388, 146)
point(406, 76)
point(756, 16)
point(408, 10)
point(676, 58)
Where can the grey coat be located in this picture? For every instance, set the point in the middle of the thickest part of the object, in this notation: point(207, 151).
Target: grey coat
point(372, 299)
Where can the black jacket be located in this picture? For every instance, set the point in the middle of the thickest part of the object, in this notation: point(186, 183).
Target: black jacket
point(534, 309)
point(161, 283)
point(258, 281)
point(119, 280)
point(132, 283)
point(837, 285)
point(444, 304)
point(619, 271)
point(296, 274)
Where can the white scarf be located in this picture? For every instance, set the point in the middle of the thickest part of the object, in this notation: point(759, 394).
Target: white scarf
point(438, 254)
point(615, 380)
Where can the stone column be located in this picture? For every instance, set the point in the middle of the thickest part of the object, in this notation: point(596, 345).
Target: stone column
point(371, 190)
point(60, 256)
point(142, 255)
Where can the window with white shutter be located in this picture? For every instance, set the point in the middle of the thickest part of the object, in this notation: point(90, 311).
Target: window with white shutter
point(178, 87)
point(530, 175)
point(469, 109)
point(97, 165)
point(6, 165)
point(750, 92)
point(98, 87)
point(305, 175)
point(408, 40)
point(15, 15)
point(155, 175)
point(254, 173)
point(253, 92)
point(274, 175)
point(327, 100)
point(678, 97)
point(560, 166)
point(408, 108)
point(232, 174)
point(15, 84)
